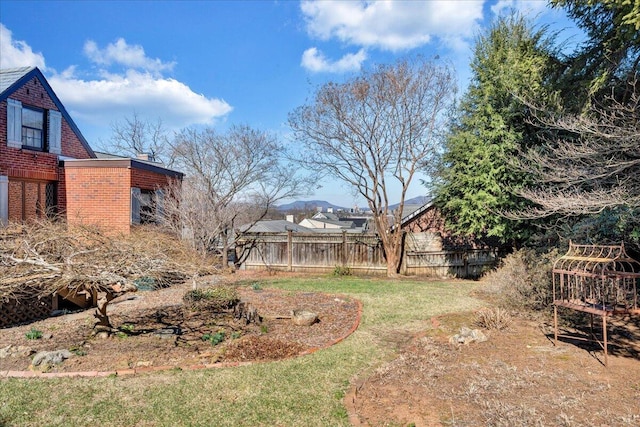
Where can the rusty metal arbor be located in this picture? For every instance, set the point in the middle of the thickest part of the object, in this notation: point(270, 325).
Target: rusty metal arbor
point(599, 280)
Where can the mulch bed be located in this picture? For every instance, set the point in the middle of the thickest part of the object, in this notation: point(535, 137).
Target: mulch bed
point(156, 329)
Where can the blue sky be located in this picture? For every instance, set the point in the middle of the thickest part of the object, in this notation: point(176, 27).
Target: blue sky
point(196, 63)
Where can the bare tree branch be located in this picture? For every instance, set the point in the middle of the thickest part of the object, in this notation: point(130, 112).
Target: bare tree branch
point(134, 135)
point(232, 179)
point(374, 132)
point(592, 163)
point(44, 258)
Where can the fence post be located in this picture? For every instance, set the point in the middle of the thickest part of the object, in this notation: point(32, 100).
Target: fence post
point(289, 250)
point(344, 248)
point(466, 263)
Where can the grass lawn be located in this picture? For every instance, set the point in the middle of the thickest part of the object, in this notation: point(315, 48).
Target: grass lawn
point(306, 391)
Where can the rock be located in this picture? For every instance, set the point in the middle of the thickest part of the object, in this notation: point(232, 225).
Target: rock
point(102, 335)
point(166, 333)
point(5, 351)
point(48, 358)
point(23, 351)
point(47, 336)
point(467, 336)
point(144, 364)
point(303, 317)
point(12, 351)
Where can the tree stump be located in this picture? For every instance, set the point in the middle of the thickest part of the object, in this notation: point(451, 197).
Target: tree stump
point(245, 311)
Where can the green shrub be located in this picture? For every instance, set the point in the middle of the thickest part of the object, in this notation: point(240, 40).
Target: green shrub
point(214, 339)
point(127, 327)
point(523, 279)
point(342, 270)
point(77, 350)
point(33, 334)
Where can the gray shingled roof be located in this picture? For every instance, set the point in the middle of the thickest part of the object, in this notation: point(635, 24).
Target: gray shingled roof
point(275, 226)
point(9, 76)
point(327, 215)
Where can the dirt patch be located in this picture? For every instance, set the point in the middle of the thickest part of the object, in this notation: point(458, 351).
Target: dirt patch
point(156, 329)
point(516, 378)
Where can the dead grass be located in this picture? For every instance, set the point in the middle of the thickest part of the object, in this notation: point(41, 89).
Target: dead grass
point(517, 378)
point(523, 280)
point(493, 318)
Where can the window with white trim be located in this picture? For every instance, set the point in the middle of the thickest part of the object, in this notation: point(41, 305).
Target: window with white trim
point(33, 128)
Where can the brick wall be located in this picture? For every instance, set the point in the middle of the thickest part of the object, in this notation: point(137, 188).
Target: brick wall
point(27, 200)
point(100, 196)
point(34, 94)
point(430, 220)
point(20, 164)
point(147, 180)
point(15, 201)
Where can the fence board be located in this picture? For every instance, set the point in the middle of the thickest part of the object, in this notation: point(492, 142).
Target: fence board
point(317, 253)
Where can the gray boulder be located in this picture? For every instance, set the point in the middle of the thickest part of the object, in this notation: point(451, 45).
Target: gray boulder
point(48, 358)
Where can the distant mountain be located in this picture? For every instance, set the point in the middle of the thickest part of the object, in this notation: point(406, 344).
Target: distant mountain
point(308, 205)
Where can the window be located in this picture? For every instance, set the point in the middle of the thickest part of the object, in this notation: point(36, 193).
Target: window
point(33, 128)
point(147, 206)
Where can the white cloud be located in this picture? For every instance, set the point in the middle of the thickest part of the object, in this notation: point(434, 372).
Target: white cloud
point(392, 25)
point(98, 100)
point(313, 60)
point(102, 101)
point(132, 56)
point(17, 53)
point(530, 8)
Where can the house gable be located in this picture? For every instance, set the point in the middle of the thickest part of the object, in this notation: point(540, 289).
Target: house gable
point(28, 86)
point(35, 132)
point(47, 166)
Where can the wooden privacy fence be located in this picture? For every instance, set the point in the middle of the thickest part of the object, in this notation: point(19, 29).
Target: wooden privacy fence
point(362, 253)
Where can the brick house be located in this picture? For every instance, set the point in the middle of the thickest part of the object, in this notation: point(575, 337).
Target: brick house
point(48, 168)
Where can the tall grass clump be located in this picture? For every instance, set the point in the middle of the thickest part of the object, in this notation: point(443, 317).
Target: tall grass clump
point(523, 280)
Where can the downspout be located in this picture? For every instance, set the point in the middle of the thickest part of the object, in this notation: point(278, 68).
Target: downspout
point(4, 200)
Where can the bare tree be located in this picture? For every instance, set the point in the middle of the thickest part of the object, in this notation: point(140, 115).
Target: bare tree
point(592, 164)
point(374, 132)
point(232, 179)
point(135, 135)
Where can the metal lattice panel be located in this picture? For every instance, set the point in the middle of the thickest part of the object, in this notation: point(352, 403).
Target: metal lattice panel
point(596, 279)
point(51, 198)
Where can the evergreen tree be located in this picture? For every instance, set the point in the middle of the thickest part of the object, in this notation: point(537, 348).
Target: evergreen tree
point(609, 59)
point(478, 179)
point(589, 167)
